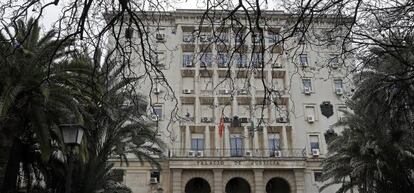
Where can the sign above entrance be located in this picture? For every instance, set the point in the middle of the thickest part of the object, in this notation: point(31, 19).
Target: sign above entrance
point(262, 163)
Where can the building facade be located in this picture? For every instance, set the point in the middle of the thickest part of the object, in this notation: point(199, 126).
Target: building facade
point(238, 116)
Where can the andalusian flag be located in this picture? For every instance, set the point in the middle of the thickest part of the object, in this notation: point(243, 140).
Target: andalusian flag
point(252, 126)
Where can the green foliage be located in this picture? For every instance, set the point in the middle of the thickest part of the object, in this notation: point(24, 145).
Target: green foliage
point(374, 153)
point(43, 85)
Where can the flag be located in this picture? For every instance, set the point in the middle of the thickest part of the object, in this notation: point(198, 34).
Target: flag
point(252, 126)
point(221, 126)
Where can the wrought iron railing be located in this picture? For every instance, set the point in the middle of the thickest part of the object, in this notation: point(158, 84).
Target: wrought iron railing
point(237, 152)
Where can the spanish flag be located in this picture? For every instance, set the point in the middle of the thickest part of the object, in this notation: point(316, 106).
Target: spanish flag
point(221, 126)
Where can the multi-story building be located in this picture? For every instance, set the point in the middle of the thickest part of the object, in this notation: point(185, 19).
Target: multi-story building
point(237, 118)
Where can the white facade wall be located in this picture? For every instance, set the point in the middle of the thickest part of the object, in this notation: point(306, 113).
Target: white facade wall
point(204, 94)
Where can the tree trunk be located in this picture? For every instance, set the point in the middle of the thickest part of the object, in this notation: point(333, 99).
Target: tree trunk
point(12, 167)
point(5, 146)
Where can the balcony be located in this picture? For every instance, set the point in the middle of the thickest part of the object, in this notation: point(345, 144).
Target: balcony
point(239, 153)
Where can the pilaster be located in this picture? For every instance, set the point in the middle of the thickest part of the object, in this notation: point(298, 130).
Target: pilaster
point(176, 181)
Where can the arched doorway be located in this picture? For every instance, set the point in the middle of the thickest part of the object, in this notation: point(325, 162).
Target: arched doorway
point(237, 185)
point(197, 185)
point(277, 185)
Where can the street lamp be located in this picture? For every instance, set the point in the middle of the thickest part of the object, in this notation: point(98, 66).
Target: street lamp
point(72, 136)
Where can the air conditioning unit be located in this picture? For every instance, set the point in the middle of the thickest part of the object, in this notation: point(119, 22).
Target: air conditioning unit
point(191, 154)
point(248, 154)
point(206, 120)
point(160, 37)
point(276, 65)
point(310, 119)
point(187, 91)
point(244, 120)
point(158, 63)
point(153, 181)
point(154, 117)
point(225, 91)
point(189, 64)
point(200, 154)
point(157, 90)
point(188, 38)
point(335, 65)
point(307, 90)
point(205, 38)
point(339, 91)
point(278, 153)
point(243, 91)
point(282, 120)
point(227, 120)
point(315, 152)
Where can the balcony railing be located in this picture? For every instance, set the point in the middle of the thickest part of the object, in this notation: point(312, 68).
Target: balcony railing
point(237, 152)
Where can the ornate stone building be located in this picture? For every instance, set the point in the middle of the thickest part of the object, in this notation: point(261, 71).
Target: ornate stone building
point(225, 134)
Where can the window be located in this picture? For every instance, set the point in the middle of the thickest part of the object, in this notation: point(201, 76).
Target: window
point(206, 60)
point(317, 176)
point(257, 60)
point(274, 142)
point(157, 110)
point(241, 60)
point(222, 60)
point(303, 58)
point(338, 84)
point(117, 175)
point(187, 60)
point(256, 38)
point(301, 36)
point(159, 58)
point(239, 36)
point(274, 38)
point(307, 85)
point(333, 61)
point(310, 113)
point(188, 37)
point(236, 145)
point(341, 114)
point(314, 141)
point(205, 37)
point(156, 175)
point(223, 37)
point(197, 142)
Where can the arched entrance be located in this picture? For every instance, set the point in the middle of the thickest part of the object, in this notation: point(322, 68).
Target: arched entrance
point(237, 185)
point(277, 185)
point(197, 185)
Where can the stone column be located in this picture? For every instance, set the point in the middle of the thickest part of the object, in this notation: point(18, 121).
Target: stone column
point(217, 142)
point(176, 181)
point(272, 112)
point(187, 139)
point(284, 139)
point(207, 147)
point(178, 146)
point(256, 148)
point(226, 141)
point(258, 181)
point(246, 138)
point(234, 107)
point(218, 181)
point(265, 142)
point(197, 111)
point(300, 180)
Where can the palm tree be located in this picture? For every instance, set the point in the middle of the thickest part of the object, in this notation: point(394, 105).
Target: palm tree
point(375, 151)
point(38, 88)
point(117, 124)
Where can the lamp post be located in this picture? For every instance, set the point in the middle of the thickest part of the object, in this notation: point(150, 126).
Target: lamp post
point(72, 136)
